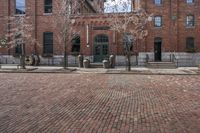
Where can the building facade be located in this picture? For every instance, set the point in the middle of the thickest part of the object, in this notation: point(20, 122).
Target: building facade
point(175, 29)
point(174, 32)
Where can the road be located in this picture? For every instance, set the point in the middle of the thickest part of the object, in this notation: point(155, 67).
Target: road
point(102, 103)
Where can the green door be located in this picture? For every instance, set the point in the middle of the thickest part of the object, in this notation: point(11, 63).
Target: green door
point(100, 48)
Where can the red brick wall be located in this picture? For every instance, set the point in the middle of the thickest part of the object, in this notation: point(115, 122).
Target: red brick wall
point(173, 32)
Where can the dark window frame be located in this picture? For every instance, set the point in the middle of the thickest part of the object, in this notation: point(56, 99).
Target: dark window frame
point(190, 43)
point(47, 44)
point(190, 23)
point(76, 44)
point(188, 2)
point(48, 8)
point(161, 21)
point(18, 49)
point(101, 38)
point(158, 4)
point(22, 7)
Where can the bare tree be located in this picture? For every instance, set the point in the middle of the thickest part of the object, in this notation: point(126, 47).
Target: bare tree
point(18, 32)
point(130, 23)
point(63, 20)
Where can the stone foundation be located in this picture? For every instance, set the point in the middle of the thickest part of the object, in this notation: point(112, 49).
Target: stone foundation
point(184, 59)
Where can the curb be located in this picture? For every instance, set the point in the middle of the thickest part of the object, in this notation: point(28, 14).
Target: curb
point(44, 71)
point(76, 71)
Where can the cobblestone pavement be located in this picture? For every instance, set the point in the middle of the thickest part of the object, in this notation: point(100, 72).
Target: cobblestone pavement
point(100, 103)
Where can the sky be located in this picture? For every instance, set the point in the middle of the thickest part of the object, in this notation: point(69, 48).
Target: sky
point(117, 6)
point(20, 5)
point(20, 2)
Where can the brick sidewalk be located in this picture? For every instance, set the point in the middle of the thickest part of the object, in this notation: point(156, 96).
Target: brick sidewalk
point(99, 103)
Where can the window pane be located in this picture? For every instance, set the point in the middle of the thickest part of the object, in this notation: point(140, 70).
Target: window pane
point(105, 49)
point(20, 7)
point(158, 2)
point(18, 49)
point(76, 44)
point(190, 1)
point(48, 2)
point(158, 21)
point(190, 43)
point(190, 21)
point(48, 6)
point(101, 39)
point(48, 43)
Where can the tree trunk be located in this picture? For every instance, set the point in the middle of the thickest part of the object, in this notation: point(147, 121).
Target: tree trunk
point(129, 61)
point(65, 55)
point(22, 59)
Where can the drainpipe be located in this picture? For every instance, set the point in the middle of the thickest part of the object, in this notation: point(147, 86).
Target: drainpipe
point(177, 46)
point(35, 28)
point(8, 8)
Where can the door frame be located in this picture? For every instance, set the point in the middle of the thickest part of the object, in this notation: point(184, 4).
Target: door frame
point(101, 44)
point(158, 49)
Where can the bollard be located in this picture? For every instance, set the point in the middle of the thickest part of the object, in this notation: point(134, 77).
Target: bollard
point(80, 61)
point(86, 63)
point(106, 64)
point(112, 61)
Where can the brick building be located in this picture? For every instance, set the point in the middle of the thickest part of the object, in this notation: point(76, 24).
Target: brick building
point(174, 32)
point(175, 29)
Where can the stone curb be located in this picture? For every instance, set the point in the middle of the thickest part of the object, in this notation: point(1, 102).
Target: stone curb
point(40, 71)
point(76, 71)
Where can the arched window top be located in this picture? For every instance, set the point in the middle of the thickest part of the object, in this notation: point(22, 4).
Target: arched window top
point(101, 38)
point(76, 44)
point(158, 39)
point(190, 38)
point(76, 39)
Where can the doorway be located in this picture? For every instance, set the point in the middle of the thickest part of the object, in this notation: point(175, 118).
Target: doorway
point(100, 48)
point(158, 49)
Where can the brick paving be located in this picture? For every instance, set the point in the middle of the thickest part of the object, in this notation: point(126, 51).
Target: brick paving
point(100, 103)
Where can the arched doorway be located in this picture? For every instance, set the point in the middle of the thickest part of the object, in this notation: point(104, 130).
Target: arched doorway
point(158, 49)
point(76, 44)
point(100, 47)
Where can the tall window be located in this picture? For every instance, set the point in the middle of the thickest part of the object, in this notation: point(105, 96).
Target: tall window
point(20, 6)
point(190, 1)
point(190, 21)
point(18, 49)
point(189, 43)
point(76, 44)
point(48, 43)
point(48, 6)
point(157, 2)
point(157, 21)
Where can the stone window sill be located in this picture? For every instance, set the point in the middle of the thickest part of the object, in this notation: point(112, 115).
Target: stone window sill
point(47, 14)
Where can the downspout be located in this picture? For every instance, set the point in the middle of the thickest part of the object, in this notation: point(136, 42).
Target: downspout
point(170, 25)
point(35, 28)
point(9, 13)
point(177, 47)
